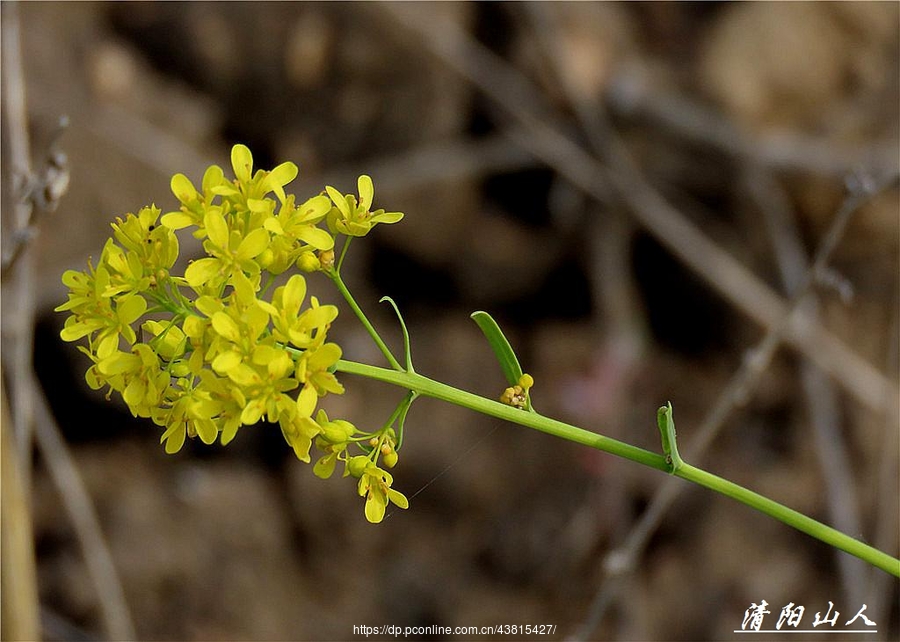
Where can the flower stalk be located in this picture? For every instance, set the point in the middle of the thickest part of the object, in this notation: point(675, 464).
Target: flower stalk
point(431, 388)
point(209, 352)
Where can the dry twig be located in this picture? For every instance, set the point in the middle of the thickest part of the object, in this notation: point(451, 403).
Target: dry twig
point(682, 237)
point(18, 331)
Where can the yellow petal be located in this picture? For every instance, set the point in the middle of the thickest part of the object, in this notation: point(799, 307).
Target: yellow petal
point(254, 243)
point(242, 163)
point(280, 176)
point(174, 438)
point(366, 192)
point(206, 430)
point(375, 506)
point(306, 401)
point(130, 309)
point(212, 177)
point(398, 498)
point(226, 326)
point(216, 228)
point(177, 220)
point(201, 271)
point(293, 294)
point(183, 189)
point(339, 200)
point(317, 237)
point(226, 361)
point(314, 209)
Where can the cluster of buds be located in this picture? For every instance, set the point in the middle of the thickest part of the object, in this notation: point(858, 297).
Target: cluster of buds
point(205, 353)
point(517, 395)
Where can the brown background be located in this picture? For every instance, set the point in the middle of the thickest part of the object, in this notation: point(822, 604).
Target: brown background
point(505, 526)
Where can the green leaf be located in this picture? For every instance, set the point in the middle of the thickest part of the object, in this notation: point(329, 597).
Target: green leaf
point(499, 344)
point(666, 424)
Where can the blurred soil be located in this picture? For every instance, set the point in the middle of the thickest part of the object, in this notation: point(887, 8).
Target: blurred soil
point(504, 526)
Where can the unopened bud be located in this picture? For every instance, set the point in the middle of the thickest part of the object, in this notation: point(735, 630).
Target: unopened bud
point(389, 459)
point(308, 262)
point(356, 465)
point(326, 259)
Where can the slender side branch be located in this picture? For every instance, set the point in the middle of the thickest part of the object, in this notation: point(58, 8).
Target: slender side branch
point(342, 288)
point(430, 388)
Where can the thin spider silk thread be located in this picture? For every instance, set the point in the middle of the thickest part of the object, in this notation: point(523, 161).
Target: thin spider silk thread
point(449, 466)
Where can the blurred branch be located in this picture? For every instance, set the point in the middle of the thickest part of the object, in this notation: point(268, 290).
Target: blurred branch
point(18, 330)
point(42, 193)
point(19, 577)
point(80, 508)
point(437, 162)
point(630, 94)
point(442, 161)
point(682, 237)
point(821, 398)
point(19, 573)
point(621, 561)
point(885, 532)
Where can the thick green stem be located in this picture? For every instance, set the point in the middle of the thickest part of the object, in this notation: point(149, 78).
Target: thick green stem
point(444, 392)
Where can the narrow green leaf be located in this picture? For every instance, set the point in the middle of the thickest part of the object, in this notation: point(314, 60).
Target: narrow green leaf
point(499, 344)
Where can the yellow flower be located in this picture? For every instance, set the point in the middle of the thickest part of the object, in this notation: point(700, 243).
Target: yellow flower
point(188, 412)
point(313, 369)
point(102, 319)
point(375, 486)
point(294, 232)
point(138, 376)
point(155, 247)
point(332, 440)
point(300, 430)
point(230, 251)
point(193, 204)
point(355, 218)
point(302, 329)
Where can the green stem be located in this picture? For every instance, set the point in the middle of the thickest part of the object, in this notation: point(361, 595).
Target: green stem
point(431, 388)
point(342, 288)
point(791, 517)
point(428, 387)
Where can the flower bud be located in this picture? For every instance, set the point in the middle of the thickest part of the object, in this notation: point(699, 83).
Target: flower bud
point(356, 465)
point(265, 258)
point(308, 262)
point(337, 431)
point(326, 258)
point(389, 459)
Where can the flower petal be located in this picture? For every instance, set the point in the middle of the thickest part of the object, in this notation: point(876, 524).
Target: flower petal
point(375, 506)
point(293, 294)
point(130, 309)
point(339, 200)
point(280, 176)
point(183, 189)
point(226, 326)
point(242, 163)
point(177, 220)
point(366, 192)
point(174, 438)
point(253, 245)
point(315, 236)
point(216, 228)
point(201, 271)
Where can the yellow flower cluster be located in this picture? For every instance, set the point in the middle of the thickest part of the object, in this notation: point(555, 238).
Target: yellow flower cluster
point(204, 353)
